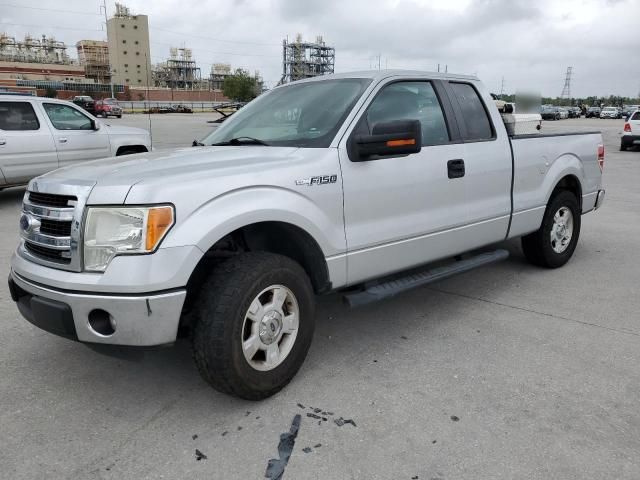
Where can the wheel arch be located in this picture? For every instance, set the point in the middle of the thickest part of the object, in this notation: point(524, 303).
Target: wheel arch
point(571, 183)
point(124, 149)
point(268, 236)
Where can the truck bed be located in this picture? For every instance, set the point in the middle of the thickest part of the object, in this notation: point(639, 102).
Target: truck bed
point(542, 160)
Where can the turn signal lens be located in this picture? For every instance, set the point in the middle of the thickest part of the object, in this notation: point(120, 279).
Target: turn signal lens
point(400, 143)
point(159, 222)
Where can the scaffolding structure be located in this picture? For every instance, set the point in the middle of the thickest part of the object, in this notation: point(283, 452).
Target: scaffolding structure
point(180, 71)
point(306, 59)
point(33, 50)
point(93, 55)
point(219, 72)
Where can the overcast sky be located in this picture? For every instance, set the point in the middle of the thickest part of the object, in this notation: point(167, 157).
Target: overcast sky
point(528, 42)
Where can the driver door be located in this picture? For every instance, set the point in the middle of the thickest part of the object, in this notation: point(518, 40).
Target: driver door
point(74, 135)
point(404, 211)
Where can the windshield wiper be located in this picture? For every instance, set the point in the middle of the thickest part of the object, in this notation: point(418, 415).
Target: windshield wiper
point(241, 141)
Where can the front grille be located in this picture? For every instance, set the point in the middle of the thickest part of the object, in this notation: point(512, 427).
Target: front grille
point(50, 200)
point(47, 236)
point(55, 228)
point(47, 253)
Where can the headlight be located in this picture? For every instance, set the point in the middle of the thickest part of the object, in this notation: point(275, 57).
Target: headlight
point(123, 231)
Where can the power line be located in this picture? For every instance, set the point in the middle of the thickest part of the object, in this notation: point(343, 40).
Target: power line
point(10, 5)
point(204, 37)
point(49, 27)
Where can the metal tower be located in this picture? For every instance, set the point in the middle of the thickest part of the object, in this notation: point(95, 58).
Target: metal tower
point(306, 59)
point(566, 91)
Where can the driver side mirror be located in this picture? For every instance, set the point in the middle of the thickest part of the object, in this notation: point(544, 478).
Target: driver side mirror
point(400, 137)
point(95, 125)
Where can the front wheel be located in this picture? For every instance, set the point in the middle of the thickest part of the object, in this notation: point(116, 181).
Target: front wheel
point(553, 244)
point(253, 324)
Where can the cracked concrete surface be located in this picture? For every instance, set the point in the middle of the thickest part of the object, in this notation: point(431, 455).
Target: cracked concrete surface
point(539, 367)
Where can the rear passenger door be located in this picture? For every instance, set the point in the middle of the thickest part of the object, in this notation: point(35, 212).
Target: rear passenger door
point(487, 163)
point(405, 210)
point(75, 138)
point(26, 144)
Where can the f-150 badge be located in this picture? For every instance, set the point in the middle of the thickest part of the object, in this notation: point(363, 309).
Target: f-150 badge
point(320, 180)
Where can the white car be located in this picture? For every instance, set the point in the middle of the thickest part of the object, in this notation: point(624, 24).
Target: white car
point(631, 132)
point(564, 113)
point(610, 112)
point(40, 134)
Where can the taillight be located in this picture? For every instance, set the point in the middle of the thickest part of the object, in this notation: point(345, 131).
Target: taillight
point(601, 156)
point(627, 127)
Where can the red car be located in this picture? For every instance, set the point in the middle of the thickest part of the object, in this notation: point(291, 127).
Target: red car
point(108, 107)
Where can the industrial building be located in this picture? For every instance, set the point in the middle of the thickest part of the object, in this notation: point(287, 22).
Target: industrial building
point(302, 59)
point(220, 71)
point(179, 71)
point(129, 52)
point(93, 56)
point(37, 59)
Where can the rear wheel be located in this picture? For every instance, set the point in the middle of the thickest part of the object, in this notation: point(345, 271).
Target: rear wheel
point(623, 147)
point(253, 325)
point(553, 244)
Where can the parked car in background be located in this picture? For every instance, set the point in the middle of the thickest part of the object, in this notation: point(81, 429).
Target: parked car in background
point(39, 134)
point(593, 112)
point(564, 113)
point(610, 112)
point(318, 185)
point(631, 132)
point(108, 107)
point(86, 102)
point(574, 112)
point(549, 112)
point(627, 110)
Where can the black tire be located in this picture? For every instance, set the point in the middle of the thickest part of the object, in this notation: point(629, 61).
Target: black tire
point(219, 318)
point(119, 116)
point(537, 246)
point(623, 147)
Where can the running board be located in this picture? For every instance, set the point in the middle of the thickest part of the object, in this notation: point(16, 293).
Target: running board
point(389, 288)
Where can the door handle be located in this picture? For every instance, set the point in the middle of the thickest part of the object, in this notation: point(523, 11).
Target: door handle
point(3, 141)
point(62, 140)
point(455, 168)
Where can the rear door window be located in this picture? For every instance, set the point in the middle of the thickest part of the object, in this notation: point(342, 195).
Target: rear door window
point(635, 116)
point(18, 116)
point(475, 117)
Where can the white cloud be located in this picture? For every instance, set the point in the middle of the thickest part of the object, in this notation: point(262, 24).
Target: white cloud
point(529, 43)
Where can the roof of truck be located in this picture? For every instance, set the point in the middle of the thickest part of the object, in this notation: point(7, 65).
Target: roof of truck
point(382, 74)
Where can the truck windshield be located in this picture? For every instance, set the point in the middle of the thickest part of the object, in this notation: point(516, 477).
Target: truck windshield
point(307, 114)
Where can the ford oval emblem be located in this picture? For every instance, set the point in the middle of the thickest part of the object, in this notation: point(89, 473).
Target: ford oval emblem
point(25, 224)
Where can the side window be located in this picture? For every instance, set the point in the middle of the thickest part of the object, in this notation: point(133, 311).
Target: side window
point(635, 116)
point(410, 101)
point(18, 116)
point(64, 117)
point(474, 115)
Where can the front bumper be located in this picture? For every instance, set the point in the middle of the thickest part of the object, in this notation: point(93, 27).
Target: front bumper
point(137, 319)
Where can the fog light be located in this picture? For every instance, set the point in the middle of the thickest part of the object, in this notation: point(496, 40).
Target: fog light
point(102, 323)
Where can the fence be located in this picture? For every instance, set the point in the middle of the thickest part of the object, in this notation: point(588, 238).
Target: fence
point(142, 106)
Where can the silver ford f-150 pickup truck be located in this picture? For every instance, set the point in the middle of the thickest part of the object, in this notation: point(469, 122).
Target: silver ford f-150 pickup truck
point(344, 182)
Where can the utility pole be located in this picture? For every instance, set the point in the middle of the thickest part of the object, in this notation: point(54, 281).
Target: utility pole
point(104, 8)
point(502, 88)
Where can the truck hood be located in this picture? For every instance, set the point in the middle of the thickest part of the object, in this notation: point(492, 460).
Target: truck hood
point(114, 177)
